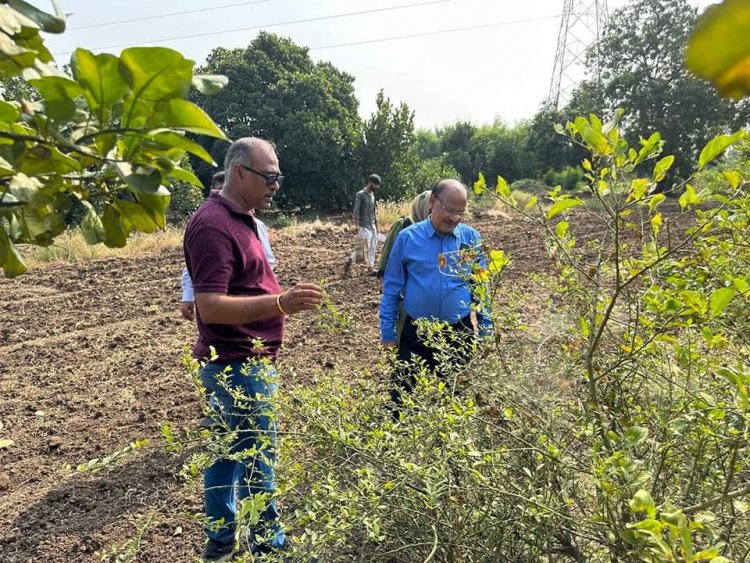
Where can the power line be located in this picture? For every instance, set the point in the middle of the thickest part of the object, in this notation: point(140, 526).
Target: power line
point(264, 26)
point(437, 32)
point(103, 24)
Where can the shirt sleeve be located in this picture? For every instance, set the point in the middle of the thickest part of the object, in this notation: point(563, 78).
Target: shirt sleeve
point(357, 205)
point(265, 242)
point(211, 260)
point(394, 282)
point(187, 286)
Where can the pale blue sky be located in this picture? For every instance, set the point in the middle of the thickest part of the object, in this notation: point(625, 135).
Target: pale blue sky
point(501, 68)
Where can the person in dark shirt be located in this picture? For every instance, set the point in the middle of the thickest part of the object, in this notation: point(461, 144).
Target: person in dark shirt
point(240, 316)
point(366, 224)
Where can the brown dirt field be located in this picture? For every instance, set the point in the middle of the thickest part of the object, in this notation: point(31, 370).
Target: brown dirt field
point(90, 361)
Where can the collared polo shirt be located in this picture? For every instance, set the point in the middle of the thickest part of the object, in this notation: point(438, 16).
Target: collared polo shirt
point(224, 255)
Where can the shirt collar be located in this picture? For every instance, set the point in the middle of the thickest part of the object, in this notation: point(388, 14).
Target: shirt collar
point(233, 208)
point(431, 232)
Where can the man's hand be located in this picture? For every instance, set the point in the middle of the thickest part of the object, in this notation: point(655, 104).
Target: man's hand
point(187, 310)
point(302, 297)
point(356, 229)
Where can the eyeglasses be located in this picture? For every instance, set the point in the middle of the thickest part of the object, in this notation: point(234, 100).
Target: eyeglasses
point(270, 179)
point(450, 211)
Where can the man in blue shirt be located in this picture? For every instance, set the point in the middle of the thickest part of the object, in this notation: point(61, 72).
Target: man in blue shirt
point(433, 266)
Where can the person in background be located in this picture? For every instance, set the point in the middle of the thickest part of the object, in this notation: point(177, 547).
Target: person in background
point(429, 269)
point(420, 209)
point(366, 224)
point(240, 311)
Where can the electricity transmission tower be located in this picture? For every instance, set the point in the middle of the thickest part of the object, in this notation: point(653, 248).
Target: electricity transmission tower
point(582, 25)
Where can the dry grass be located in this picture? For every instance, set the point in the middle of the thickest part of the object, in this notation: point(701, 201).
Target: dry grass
point(296, 227)
point(72, 247)
point(390, 211)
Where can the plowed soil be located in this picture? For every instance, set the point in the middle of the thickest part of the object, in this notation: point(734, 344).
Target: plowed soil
point(90, 360)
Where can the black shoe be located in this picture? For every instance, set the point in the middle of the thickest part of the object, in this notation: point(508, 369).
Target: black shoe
point(215, 551)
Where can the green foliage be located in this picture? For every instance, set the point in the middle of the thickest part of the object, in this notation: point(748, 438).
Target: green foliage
point(569, 178)
point(186, 197)
point(110, 135)
point(642, 70)
point(655, 331)
point(307, 109)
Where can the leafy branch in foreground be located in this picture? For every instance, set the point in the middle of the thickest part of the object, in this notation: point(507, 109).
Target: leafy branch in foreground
point(110, 134)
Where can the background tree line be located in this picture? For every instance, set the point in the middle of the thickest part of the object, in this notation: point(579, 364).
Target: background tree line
point(309, 109)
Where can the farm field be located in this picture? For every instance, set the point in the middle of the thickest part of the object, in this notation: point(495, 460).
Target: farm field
point(90, 361)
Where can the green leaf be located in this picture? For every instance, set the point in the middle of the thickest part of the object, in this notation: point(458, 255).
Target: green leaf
point(137, 215)
point(91, 225)
point(561, 229)
point(156, 73)
point(115, 235)
point(8, 112)
point(689, 197)
point(59, 94)
point(733, 177)
point(480, 185)
point(741, 285)
point(99, 76)
point(655, 200)
point(142, 179)
point(643, 502)
point(185, 176)
point(209, 84)
point(562, 205)
point(157, 205)
point(180, 141)
point(183, 114)
point(649, 147)
point(48, 22)
point(651, 526)
point(720, 299)
point(719, 48)
point(592, 137)
point(533, 200)
point(635, 435)
point(662, 167)
point(638, 189)
point(716, 146)
point(10, 260)
point(502, 187)
point(693, 302)
point(40, 161)
point(26, 189)
point(6, 443)
point(656, 223)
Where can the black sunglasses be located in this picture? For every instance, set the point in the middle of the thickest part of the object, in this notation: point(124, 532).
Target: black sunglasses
point(270, 179)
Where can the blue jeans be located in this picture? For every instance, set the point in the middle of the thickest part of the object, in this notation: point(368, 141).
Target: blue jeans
point(227, 480)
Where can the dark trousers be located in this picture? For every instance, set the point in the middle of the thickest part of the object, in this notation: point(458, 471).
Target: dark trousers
point(412, 349)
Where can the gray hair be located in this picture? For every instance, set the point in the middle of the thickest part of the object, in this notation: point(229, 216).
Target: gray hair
point(240, 152)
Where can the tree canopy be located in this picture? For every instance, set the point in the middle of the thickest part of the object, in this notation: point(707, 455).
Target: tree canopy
point(642, 68)
point(308, 109)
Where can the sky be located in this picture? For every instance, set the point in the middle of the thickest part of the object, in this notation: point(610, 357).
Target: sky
point(448, 60)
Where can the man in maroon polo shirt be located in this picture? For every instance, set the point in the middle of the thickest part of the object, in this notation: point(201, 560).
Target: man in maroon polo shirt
point(241, 310)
